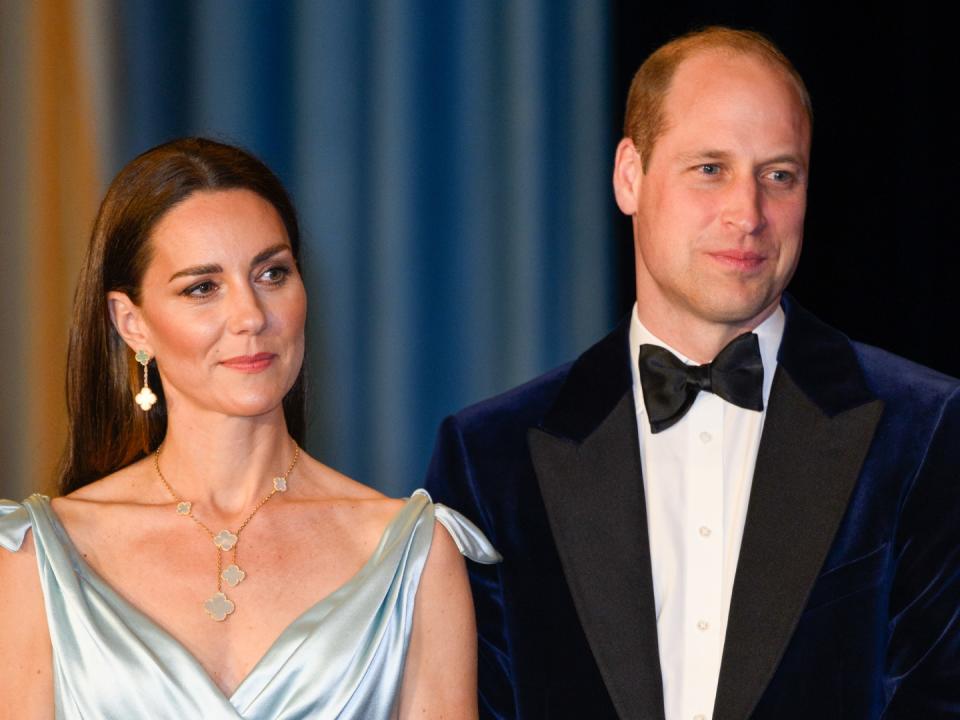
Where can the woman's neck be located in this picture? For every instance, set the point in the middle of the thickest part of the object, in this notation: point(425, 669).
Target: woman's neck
point(225, 464)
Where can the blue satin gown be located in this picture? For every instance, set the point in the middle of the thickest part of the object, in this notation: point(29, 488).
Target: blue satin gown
point(342, 658)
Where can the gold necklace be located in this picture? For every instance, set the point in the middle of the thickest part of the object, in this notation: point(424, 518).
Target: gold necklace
point(220, 606)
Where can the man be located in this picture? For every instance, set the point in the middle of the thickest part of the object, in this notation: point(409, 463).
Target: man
point(773, 534)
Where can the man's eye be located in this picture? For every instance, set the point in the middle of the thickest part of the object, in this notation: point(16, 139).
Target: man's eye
point(710, 169)
point(781, 176)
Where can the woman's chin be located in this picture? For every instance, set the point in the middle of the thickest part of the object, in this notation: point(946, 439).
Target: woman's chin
point(252, 406)
point(255, 407)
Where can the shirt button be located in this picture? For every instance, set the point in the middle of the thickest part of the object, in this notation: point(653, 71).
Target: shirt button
point(705, 437)
point(699, 717)
point(704, 531)
point(702, 625)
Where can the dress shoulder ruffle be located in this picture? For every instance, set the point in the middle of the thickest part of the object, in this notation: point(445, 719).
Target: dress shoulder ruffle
point(14, 522)
point(470, 540)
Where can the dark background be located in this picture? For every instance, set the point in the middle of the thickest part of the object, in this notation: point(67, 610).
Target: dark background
point(880, 249)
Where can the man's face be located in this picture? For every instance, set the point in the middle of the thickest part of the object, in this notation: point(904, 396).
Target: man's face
point(718, 214)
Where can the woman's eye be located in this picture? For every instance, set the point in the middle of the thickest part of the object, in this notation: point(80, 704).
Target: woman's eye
point(201, 289)
point(276, 275)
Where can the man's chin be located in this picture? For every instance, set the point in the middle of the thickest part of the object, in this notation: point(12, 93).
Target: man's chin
point(746, 312)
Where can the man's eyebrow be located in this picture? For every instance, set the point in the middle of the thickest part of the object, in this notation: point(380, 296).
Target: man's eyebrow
point(786, 158)
point(704, 155)
point(213, 269)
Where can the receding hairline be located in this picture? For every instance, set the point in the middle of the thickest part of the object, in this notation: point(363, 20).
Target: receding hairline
point(644, 118)
point(787, 72)
point(733, 54)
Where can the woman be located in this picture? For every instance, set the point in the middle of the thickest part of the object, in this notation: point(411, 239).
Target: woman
point(199, 564)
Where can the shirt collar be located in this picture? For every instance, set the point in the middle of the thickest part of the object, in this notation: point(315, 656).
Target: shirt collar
point(769, 333)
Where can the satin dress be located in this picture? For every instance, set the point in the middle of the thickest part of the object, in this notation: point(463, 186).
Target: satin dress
point(342, 658)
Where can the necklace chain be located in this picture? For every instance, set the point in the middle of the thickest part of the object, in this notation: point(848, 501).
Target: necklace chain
point(219, 606)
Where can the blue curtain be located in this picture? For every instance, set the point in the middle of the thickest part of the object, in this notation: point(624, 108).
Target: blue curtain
point(450, 161)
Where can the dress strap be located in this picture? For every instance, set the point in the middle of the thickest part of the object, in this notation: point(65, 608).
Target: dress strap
point(14, 523)
point(469, 539)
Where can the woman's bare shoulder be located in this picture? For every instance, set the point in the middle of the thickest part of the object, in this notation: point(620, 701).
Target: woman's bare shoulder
point(126, 485)
point(25, 663)
point(20, 582)
point(322, 481)
point(356, 505)
point(97, 509)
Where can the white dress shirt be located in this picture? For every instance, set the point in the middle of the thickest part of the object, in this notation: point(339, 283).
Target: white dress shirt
point(696, 478)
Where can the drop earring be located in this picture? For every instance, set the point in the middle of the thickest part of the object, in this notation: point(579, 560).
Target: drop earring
point(146, 398)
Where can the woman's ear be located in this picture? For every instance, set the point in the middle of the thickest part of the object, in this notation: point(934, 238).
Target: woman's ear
point(127, 318)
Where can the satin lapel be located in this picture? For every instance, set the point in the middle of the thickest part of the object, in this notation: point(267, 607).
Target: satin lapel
point(593, 493)
point(807, 465)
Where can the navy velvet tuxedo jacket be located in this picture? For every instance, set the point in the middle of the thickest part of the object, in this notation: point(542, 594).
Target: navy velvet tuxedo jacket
point(846, 602)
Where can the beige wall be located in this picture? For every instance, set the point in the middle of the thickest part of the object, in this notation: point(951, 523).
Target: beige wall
point(50, 187)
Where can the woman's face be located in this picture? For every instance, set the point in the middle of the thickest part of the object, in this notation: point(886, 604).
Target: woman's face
point(223, 305)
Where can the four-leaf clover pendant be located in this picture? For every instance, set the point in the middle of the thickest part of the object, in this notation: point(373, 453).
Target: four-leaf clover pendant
point(219, 606)
point(146, 398)
point(233, 575)
point(225, 540)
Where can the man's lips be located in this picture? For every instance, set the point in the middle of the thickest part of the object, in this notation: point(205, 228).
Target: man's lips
point(249, 363)
point(738, 259)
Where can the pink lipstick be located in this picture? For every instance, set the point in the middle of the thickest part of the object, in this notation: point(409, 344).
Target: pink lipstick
point(249, 363)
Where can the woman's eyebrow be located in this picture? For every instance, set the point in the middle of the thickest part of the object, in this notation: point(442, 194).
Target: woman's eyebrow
point(196, 270)
point(270, 252)
point(213, 269)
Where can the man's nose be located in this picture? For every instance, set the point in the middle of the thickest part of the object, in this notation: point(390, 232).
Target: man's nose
point(743, 208)
point(246, 311)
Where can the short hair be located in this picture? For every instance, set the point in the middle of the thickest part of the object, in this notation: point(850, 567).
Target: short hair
point(105, 429)
point(644, 119)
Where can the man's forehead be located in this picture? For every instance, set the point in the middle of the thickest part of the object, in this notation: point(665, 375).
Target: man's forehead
point(712, 78)
point(709, 67)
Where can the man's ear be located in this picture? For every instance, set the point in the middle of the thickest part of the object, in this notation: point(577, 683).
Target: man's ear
point(627, 176)
point(127, 318)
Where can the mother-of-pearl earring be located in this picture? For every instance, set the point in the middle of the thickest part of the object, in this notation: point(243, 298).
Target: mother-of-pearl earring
point(146, 398)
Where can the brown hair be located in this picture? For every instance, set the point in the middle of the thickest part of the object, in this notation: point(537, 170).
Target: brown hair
point(106, 430)
point(644, 119)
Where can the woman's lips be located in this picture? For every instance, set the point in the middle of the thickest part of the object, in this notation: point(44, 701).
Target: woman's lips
point(249, 363)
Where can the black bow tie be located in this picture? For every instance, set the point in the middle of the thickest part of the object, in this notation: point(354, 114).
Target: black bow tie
point(670, 386)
